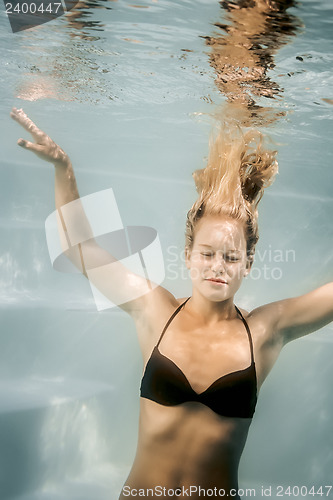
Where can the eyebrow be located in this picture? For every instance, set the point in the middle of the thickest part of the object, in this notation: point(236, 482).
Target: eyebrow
point(233, 250)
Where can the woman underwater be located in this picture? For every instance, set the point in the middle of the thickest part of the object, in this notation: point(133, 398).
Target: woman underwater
point(205, 360)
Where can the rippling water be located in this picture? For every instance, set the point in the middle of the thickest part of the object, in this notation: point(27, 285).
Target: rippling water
point(158, 52)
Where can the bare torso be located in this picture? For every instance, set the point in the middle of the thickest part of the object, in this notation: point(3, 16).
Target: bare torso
point(184, 446)
point(189, 444)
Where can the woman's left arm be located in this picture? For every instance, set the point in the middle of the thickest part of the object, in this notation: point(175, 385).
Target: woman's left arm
point(302, 315)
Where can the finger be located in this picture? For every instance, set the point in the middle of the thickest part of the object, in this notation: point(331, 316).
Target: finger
point(20, 117)
point(36, 148)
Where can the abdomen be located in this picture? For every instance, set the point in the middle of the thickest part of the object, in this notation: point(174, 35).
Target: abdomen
point(186, 445)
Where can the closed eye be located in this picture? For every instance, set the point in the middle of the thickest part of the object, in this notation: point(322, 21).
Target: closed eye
point(232, 259)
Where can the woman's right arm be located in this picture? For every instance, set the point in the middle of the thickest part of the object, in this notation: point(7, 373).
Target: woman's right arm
point(130, 291)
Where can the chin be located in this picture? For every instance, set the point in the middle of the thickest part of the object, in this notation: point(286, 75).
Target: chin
point(217, 296)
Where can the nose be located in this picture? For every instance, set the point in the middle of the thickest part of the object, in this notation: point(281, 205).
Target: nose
point(218, 265)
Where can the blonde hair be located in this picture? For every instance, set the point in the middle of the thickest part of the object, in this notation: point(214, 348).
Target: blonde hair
point(238, 170)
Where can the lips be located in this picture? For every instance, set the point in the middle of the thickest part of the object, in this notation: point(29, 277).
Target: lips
point(217, 280)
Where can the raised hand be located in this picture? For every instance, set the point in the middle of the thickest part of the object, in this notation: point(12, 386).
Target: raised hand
point(43, 146)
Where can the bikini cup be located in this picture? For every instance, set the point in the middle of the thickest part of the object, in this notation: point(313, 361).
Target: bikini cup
point(232, 395)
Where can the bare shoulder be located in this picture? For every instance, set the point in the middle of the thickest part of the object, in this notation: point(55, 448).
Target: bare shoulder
point(182, 300)
point(267, 343)
point(160, 304)
point(243, 312)
point(266, 313)
point(263, 322)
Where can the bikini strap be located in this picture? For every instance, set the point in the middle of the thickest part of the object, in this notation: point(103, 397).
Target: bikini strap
point(248, 332)
point(171, 318)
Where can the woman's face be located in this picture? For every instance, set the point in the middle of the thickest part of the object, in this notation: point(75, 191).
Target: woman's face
point(217, 260)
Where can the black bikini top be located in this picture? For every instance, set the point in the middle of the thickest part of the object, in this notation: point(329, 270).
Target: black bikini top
point(232, 395)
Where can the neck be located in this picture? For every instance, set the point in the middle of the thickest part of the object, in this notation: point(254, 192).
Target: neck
point(210, 311)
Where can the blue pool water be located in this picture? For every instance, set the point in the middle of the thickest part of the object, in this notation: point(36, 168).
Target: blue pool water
point(125, 88)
